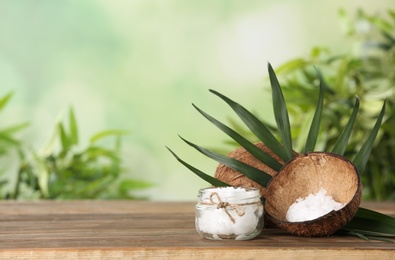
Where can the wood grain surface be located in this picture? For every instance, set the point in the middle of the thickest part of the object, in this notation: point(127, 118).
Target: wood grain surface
point(155, 230)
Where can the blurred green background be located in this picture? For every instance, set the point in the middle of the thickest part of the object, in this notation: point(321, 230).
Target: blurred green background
point(138, 65)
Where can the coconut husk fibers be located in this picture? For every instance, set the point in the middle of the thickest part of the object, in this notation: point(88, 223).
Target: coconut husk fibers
point(235, 178)
point(305, 175)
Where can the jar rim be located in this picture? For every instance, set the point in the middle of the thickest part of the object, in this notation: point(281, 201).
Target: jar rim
point(230, 188)
point(229, 194)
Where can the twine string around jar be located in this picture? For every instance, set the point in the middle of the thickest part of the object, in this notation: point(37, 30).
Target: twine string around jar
point(225, 205)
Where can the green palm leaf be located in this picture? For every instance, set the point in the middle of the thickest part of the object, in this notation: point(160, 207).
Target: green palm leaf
point(367, 235)
point(5, 99)
point(374, 215)
point(371, 222)
point(315, 124)
point(250, 147)
point(252, 173)
point(362, 156)
point(213, 181)
point(65, 140)
point(281, 113)
point(7, 138)
point(341, 143)
point(256, 126)
point(106, 133)
point(73, 127)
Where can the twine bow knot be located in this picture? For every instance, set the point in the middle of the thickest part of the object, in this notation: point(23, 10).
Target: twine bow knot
point(225, 205)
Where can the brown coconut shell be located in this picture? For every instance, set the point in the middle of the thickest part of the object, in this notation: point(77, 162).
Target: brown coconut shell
point(235, 178)
point(306, 174)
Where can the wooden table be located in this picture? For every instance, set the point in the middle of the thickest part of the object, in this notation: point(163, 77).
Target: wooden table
point(162, 230)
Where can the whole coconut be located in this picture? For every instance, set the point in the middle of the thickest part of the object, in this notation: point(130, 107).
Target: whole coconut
point(235, 178)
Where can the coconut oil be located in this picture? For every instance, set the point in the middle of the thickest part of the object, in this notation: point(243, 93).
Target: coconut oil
point(229, 213)
point(312, 207)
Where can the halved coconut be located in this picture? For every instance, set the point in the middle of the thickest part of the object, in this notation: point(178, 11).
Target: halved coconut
point(306, 174)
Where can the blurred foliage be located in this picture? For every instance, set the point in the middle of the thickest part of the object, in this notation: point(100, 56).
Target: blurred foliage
point(7, 139)
point(369, 73)
point(366, 71)
point(8, 142)
point(63, 171)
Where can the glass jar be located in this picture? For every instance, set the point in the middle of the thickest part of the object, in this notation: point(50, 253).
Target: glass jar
point(229, 213)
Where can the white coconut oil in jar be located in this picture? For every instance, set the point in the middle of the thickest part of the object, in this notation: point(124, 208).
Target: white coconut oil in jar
point(229, 213)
